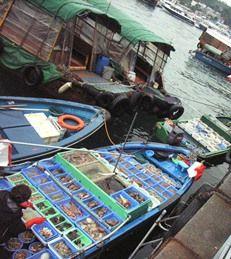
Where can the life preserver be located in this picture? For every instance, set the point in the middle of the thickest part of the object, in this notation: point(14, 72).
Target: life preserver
point(62, 123)
point(104, 99)
point(1, 46)
point(119, 105)
point(32, 75)
point(175, 112)
point(228, 157)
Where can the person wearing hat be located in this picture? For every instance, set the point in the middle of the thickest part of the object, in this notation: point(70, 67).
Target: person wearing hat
point(12, 205)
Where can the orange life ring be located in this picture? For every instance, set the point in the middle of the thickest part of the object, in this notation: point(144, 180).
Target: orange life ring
point(62, 123)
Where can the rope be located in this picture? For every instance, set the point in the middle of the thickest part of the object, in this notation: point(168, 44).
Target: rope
point(107, 132)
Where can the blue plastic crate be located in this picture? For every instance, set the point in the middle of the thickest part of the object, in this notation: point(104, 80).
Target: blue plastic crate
point(38, 180)
point(167, 194)
point(65, 206)
point(25, 252)
point(64, 226)
point(57, 196)
point(64, 179)
point(136, 194)
point(14, 240)
point(52, 246)
point(37, 231)
point(47, 163)
point(158, 188)
point(92, 203)
point(39, 245)
point(140, 183)
point(142, 176)
point(150, 182)
point(156, 195)
point(111, 221)
point(57, 170)
point(27, 237)
point(32, 171)
point(88, 221)
point(102, 211)
point(172, 190)
point(49, 188)
point(129, 203)
point(82, 194)
point(73, 187)
point(5, 185)
point(42, 254)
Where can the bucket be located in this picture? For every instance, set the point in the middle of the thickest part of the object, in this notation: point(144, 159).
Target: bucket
point(101, 62)
point(132, 76)
point(108, 72)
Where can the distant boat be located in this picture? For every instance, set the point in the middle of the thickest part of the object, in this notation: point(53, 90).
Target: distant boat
point(214, 49)
point(27, 120)
point(98, 205)
point(178, 12)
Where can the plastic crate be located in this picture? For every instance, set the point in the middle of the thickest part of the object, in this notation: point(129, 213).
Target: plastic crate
point(37, 197)
point(129, 203)
point(22, 252)
point(69, 206)
point(157, 196)
point(15, 177)
point(142, 176)
point(64, 226)
point(57, 196)
point(39, 180)
point(111, 221)
point(101, 211)
point(32, 171)
point(5, 185)
point(13, 240)
point(64, 179)
point(82, 194)
point(72, 187)
point(49, 188)
point(49, 212)
point(46, 253)
point(43, 205)
point(77, 238)
point(136, 194)
point(27, 237)
point(90, 223)
point(45, 239)
point(92, 203)
point(53, 247)
point(56, 170)
point(47, 163)
point(57, 219)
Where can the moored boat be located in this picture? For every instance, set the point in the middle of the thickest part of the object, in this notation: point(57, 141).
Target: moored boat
point(89, 52)
point(214, 49)
point(207, 136)
point(87, 201)
point(37, 121)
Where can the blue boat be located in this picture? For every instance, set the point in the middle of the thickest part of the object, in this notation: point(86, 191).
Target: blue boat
point(110, 203)
point(213, 62)
point(34, 121)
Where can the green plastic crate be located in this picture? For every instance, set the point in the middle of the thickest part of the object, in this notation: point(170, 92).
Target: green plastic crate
point(84, 240)
point(103, 196)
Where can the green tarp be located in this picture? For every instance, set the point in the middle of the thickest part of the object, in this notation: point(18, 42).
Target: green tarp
point(212, 49)
point(131, 30)
point(14, 57)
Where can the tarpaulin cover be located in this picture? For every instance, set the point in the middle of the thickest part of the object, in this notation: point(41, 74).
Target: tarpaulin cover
point(131, 30)
point(14, 57)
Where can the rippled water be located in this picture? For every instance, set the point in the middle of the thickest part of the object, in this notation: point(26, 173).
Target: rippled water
point(202, 89)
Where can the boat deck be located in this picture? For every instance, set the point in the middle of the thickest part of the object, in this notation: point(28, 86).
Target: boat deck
point(102, 84)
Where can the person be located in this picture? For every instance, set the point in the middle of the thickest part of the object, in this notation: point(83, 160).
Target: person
point(12, 204)
point(159, 84)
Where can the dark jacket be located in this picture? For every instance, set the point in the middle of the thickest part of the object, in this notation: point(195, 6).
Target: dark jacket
point(10, 218)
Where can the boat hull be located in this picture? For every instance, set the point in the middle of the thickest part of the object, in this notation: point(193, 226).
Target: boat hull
point(213, 62)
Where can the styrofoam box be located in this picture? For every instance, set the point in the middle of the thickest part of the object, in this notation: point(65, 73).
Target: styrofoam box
point(43, 127)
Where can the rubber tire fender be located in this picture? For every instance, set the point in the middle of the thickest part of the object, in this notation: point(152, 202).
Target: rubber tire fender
point(119, 105)
point(135, 99)
point(228, 157)
point(147, 102)
point(175, 111)
point(32, 75)
point(1, 46)
point(91, 90)
point(104, 99)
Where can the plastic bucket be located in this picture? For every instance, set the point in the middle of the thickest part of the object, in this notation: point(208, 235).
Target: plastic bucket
point(18, 244)
point(108, 72)
point(132, 76)
point(101, 62)
point(20, 253)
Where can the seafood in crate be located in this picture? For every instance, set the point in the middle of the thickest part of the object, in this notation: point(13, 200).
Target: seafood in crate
point(62, 227)
point(73, 186)
point(13, 244)
point(21, 254)
point(27, 236)
point(64, 179)
point(101, 211)
point(36, 197)
point(77, 238)
point(36, 247)
point(15, 177)
point(56, 220)
point(62, 249)
point(72, 210)
point(92, 228)
point(78, 158)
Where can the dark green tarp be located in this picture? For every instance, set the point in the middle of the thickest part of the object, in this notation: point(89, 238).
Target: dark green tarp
point(132, 30)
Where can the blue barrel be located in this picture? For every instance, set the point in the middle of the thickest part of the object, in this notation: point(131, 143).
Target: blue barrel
point(101, 62)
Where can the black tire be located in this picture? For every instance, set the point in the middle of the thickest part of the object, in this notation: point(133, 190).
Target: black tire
point(135, 99)
point(175, 111)
point(120, 105)
point(32, 75)
point(104, 99)
point(228, 157)
point(1, 47)
point(91, 90)
point(146, 103)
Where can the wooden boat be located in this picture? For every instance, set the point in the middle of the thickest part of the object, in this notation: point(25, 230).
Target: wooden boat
point(103, 57)
point(199, 136)
point(214, 49)
point(26, 120)
point(98, 203)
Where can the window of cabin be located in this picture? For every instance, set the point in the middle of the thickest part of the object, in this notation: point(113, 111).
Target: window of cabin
point(31, 28)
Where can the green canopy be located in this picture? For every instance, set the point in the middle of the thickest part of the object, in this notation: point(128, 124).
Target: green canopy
point(68, 9)
point(131, 30)
point(212, 49)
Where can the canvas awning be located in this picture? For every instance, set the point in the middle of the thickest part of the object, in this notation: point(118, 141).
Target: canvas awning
point(132, 30)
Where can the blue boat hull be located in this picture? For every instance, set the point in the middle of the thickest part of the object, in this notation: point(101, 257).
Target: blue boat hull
point(15, 127)
point(213, 62)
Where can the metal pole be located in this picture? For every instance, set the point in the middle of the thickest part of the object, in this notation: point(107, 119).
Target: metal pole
point(147, 234)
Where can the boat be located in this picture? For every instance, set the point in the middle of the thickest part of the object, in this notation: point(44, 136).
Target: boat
point(214, 49)
point(208, 137)
point(151, 3)
point(37, 121)
point(89, 52)
point(103, 195)
point(178, 12)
